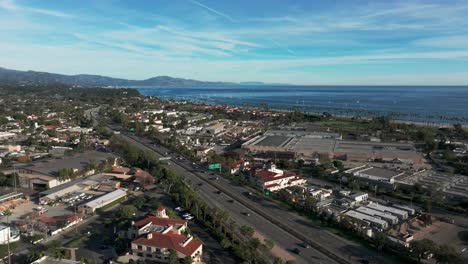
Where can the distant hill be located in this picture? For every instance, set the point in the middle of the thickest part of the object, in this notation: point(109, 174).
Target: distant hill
point(7, 75)
point(262, 83)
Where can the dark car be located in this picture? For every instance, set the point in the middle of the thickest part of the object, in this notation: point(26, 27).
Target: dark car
point(305, 245)
point(297, 251)
point(231, 201)
point(219, 192)
point(246, 214)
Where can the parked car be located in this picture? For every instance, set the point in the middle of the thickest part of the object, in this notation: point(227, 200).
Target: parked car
point(178, 209)
point(188, 217)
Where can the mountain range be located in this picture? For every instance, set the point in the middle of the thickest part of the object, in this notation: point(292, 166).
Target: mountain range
point(15, 76)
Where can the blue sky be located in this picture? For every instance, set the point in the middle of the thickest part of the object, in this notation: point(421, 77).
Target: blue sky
point(301, 41)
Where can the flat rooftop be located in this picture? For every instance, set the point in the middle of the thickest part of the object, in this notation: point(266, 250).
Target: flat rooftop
point(379, 172)
point(276, 141)
point(51, 166)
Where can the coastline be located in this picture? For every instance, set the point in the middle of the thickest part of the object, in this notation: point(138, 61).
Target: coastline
point(259, 108)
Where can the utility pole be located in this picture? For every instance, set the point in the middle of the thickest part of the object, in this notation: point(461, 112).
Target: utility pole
point(14, 176)
point(8, 245)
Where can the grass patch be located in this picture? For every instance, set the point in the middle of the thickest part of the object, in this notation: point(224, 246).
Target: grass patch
point(107, 206)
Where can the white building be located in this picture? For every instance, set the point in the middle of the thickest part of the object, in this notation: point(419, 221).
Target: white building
point(385, 216)
point(359, 197)
point(320, 194)
point(273, 179)
point(8, 234)
point(6, 135)
point(375, 174)
point(90, 207)
point(373, 221)
point(401, 214)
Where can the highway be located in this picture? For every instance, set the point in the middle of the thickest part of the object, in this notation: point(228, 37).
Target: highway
point(288, 229)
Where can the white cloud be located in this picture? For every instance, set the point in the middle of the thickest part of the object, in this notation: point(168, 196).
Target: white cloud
point(8, 5)
point(122, 63)
point(12, 7)
point(444, 42)
point(213, 10)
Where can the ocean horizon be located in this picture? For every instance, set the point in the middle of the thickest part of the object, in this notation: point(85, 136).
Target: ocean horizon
point(438, 104)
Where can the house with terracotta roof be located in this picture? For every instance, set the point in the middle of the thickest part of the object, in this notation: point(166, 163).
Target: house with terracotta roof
point(156, 221)
point(237, 166)
point(156, 234)
point(273, 179)
point(143, 178)
point(156, 246)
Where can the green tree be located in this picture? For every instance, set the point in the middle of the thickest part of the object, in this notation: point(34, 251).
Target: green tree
point(34, 255)
point(187, 260)
point(247, 230)
point(269, 243)
point(420, 247)
point(446, 254)
point(127, 211)
point(173, 257)
point(7, 213)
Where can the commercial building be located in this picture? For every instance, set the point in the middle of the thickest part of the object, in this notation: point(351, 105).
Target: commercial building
point(157, 234)
point(385, 216)
point(154, 222)
point(320, 194)
point(156, 246)
point(90, 207)
point(375, 174)
point(309, 144)
point(79, 184)
point(273, 179)
point(373, 221)
point(402, 215)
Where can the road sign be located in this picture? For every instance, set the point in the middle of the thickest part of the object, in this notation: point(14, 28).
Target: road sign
point(214, 166)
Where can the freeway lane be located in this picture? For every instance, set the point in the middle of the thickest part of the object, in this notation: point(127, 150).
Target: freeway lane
point(209, 193)
point(348, 251)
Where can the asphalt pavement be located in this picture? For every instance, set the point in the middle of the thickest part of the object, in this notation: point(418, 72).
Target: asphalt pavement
point(342, 250)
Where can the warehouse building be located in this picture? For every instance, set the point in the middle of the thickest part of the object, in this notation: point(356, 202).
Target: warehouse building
point(384, 216)
point(373, 221)
point(375, 174)
point(402, 215)
point(308, 144)
point(90, 207)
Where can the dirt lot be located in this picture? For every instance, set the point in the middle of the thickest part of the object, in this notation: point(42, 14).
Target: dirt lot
point(446, 233)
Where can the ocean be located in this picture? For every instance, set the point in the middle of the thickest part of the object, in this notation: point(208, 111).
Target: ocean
point(437, 104)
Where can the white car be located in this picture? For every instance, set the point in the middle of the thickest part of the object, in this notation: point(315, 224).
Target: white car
point(185, 215)
point(178, 209)
point(188, 217)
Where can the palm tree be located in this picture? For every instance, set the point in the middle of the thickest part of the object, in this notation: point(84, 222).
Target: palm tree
point(7, 213)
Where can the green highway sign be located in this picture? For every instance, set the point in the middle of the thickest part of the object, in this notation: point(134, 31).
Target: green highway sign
point(214, 166)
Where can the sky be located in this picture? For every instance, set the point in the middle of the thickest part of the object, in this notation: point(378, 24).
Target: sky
point(346, 42)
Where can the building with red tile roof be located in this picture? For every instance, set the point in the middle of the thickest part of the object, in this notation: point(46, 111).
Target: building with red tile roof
point(156, 221)
point(156, 234)
point(156, 246)
point(273, 179)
